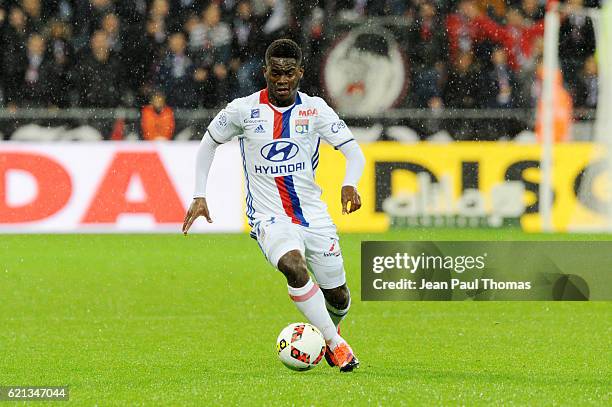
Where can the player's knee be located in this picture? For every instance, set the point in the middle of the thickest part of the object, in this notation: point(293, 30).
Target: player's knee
point(293, 266)
point(339, 297)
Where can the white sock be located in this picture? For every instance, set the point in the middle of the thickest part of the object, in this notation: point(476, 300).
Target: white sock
point(337, 315)
point(310, 301)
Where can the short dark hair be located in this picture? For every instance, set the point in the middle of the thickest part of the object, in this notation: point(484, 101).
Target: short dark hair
point(284, 48)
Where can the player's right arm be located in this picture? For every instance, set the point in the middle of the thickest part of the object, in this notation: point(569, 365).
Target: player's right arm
point(225, 126)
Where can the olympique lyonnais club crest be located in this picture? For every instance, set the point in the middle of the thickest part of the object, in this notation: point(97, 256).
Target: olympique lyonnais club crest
point(254, 113)
point(301, 126)
point(365, 72)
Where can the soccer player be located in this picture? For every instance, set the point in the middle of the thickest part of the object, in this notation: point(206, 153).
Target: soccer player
point(279, 130)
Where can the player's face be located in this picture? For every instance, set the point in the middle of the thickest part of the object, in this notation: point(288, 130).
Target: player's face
point(283, 78)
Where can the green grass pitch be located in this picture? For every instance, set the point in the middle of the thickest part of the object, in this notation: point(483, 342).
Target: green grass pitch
point(172, 320)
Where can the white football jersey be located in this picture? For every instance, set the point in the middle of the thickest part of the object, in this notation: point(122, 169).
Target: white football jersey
point(280, 153)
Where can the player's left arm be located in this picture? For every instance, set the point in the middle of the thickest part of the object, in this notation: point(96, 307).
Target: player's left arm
point(355, 162)
point(335, 132)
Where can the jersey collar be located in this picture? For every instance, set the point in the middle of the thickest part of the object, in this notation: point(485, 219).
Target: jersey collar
point(265, 100)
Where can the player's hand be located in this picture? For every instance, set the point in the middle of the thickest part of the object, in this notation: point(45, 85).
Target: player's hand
point(197, 208)
point(350, 194)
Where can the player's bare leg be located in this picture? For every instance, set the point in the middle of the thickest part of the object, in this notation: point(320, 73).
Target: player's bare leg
point(309, 299)
point(293, 266)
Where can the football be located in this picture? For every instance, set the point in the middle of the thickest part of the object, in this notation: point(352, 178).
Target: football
point(300, 346)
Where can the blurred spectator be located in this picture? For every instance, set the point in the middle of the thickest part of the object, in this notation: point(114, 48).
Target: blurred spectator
point(469, 28)
point(183, 9)
point(177, 74)
point(463, 28)
point(247, 61)
point(216, 36)
point(123, 46)
point(496, 9)
point(500, 91)
point(138, 52)
point(427, 92)
point(2, 19)
point(62, 10)
point(500, 84)
point(462, 91)
point(588, 85)
point(156, 34)
point(98, 76)
point(157, 119)
point(518, 37)
point(532, 10)
point(14, 57)
point(427, 51)
point(210, 41)
point(526, 76)
point(159, 15)
point(132, 12)
point(194, 26)
point(463, 84)
point(112, 27)
point(88, 17)
point(58, 64)
point(428, 87)
point(34, 92)
point(34, 16)
point(315, 42)
point(576, 41)
point(427, 38)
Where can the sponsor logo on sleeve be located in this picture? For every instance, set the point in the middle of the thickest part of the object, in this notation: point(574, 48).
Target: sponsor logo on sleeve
point(222, 120)
point(337, 126)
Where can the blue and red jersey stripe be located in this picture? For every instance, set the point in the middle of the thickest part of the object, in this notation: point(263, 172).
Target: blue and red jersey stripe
point(284, 184)
point(290, 200)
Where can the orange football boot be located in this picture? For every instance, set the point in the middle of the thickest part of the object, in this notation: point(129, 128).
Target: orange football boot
point(345, 358)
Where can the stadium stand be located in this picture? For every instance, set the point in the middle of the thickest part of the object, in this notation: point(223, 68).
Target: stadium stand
point(466, 54)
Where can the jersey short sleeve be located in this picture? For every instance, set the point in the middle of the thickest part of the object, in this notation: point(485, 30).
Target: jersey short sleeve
point(330, 127)
point(227, 124)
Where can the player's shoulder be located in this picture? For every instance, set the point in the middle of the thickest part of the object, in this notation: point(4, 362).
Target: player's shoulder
point(314, 101)
point(317, 106)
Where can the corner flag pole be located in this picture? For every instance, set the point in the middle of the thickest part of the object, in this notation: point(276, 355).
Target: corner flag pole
point(602, 21)
point(551, 66)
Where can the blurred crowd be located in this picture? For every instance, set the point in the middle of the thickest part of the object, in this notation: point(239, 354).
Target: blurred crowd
point(490, 54)
point(105, 53)
point(202, 53)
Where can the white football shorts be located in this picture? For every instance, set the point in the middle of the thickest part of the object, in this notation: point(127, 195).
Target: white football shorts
point(320, 247)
